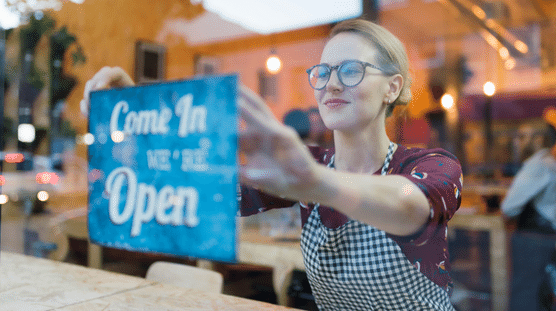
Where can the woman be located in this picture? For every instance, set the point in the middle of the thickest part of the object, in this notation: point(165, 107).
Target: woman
point(376, 239)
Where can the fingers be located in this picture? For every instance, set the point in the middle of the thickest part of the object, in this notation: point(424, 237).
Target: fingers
point(104, 78)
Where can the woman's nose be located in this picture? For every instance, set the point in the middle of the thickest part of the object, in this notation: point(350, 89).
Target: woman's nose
point(334, 83)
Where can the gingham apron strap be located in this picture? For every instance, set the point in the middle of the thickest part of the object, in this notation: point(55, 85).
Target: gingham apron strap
point(385, 165)
point(388, 158)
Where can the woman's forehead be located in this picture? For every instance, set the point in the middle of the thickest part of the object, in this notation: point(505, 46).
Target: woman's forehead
point(344, 46)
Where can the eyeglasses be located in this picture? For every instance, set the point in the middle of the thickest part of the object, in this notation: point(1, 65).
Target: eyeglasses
point(350, 73)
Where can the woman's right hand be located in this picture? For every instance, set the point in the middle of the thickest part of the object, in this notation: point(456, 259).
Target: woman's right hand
point(107, 77)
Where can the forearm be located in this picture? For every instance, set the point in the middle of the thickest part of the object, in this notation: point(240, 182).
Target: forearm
point(390, 203)
point(254, 201)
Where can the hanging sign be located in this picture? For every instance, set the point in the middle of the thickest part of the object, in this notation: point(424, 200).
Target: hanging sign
point(163, 168)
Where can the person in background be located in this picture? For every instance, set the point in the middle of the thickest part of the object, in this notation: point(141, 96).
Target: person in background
point(319, 135)
point(374, 213)
point(531, 200)
point(299, 120)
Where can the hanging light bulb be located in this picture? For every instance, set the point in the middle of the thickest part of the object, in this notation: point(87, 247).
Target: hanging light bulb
point(489, 89)
point(447, 101)
point(273, 63)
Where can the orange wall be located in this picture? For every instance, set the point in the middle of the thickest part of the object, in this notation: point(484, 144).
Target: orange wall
point(292, 86)
point(108, 30)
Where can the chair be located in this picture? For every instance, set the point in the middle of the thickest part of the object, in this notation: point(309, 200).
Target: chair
point(185, 276)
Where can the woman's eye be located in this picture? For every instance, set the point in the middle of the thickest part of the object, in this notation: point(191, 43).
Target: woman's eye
point(351, 71)
point(323, 73)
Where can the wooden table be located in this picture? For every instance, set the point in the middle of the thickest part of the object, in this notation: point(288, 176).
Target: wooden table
point(494, 225)
point(285, 256)
point(29, 283)
point(282, 256)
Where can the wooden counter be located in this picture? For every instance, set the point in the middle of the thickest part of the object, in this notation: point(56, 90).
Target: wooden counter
point(29, 283)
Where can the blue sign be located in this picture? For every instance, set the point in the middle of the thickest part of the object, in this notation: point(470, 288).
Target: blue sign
point(163, 168)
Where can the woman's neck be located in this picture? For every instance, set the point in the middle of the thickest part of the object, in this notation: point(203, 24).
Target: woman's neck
point(363, 152)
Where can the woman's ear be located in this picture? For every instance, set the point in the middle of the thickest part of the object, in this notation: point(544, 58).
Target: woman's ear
point(395, 87)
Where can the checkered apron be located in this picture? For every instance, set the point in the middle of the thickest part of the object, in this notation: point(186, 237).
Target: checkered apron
point(358, 267)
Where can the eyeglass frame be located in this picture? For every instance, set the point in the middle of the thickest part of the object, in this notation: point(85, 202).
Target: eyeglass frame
point(337, 67)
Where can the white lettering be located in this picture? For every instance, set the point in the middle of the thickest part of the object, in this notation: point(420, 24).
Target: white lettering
point(131, 124)
point(163, 120)
point(121, 106)
point(141, 122)
point(190, 196)
point(166, 200)
point(114, 184)
point(144, 203)
point(193, 119)
point(146, 195)
point(196, 159)
point(147, 122)
point(159, 159)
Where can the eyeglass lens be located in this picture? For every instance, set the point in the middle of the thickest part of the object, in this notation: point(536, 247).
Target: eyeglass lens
point(350, 74)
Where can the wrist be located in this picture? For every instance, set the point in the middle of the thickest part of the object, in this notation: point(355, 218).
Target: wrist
point(318, 187)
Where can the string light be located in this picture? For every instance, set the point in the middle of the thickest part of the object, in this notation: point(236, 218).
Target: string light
point(273, 64)
point(43, 196)
point(447, 101)
point(117, 136)
point(489, 89)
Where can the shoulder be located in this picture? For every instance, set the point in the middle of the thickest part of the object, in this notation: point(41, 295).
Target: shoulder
point(540, 163)
point(544, 156)
point(405, 157)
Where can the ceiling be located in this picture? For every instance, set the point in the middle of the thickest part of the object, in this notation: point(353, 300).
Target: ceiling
point(421, 21)
point(418, 22)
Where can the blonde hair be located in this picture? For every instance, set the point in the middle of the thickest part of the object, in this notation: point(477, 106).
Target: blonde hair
point(392, 57)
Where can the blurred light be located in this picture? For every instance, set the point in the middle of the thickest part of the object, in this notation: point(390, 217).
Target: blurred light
point(478, 11)
point(520, 46)
point(273, 64)
point(94, 175)
point(490, 39)
point(2, 180)
point(509, 64)
point(447, 101)
point(489, 89)
point(549, 115)
point(88, 139)
point(14, 157)
point(504, 53)
point(46, 178)
point(491, 23)
point(42, 196)
point(117, 136)
point(26, 133)
point(8, 18)
point(4, 199)
point(11, 12)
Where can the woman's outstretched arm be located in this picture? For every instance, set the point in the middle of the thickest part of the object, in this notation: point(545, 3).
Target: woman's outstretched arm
point(278, 163)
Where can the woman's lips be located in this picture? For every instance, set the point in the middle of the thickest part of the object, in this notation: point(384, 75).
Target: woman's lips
point(335, 102)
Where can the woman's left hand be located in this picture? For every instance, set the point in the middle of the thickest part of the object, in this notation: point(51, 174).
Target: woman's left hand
point(277, 161)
